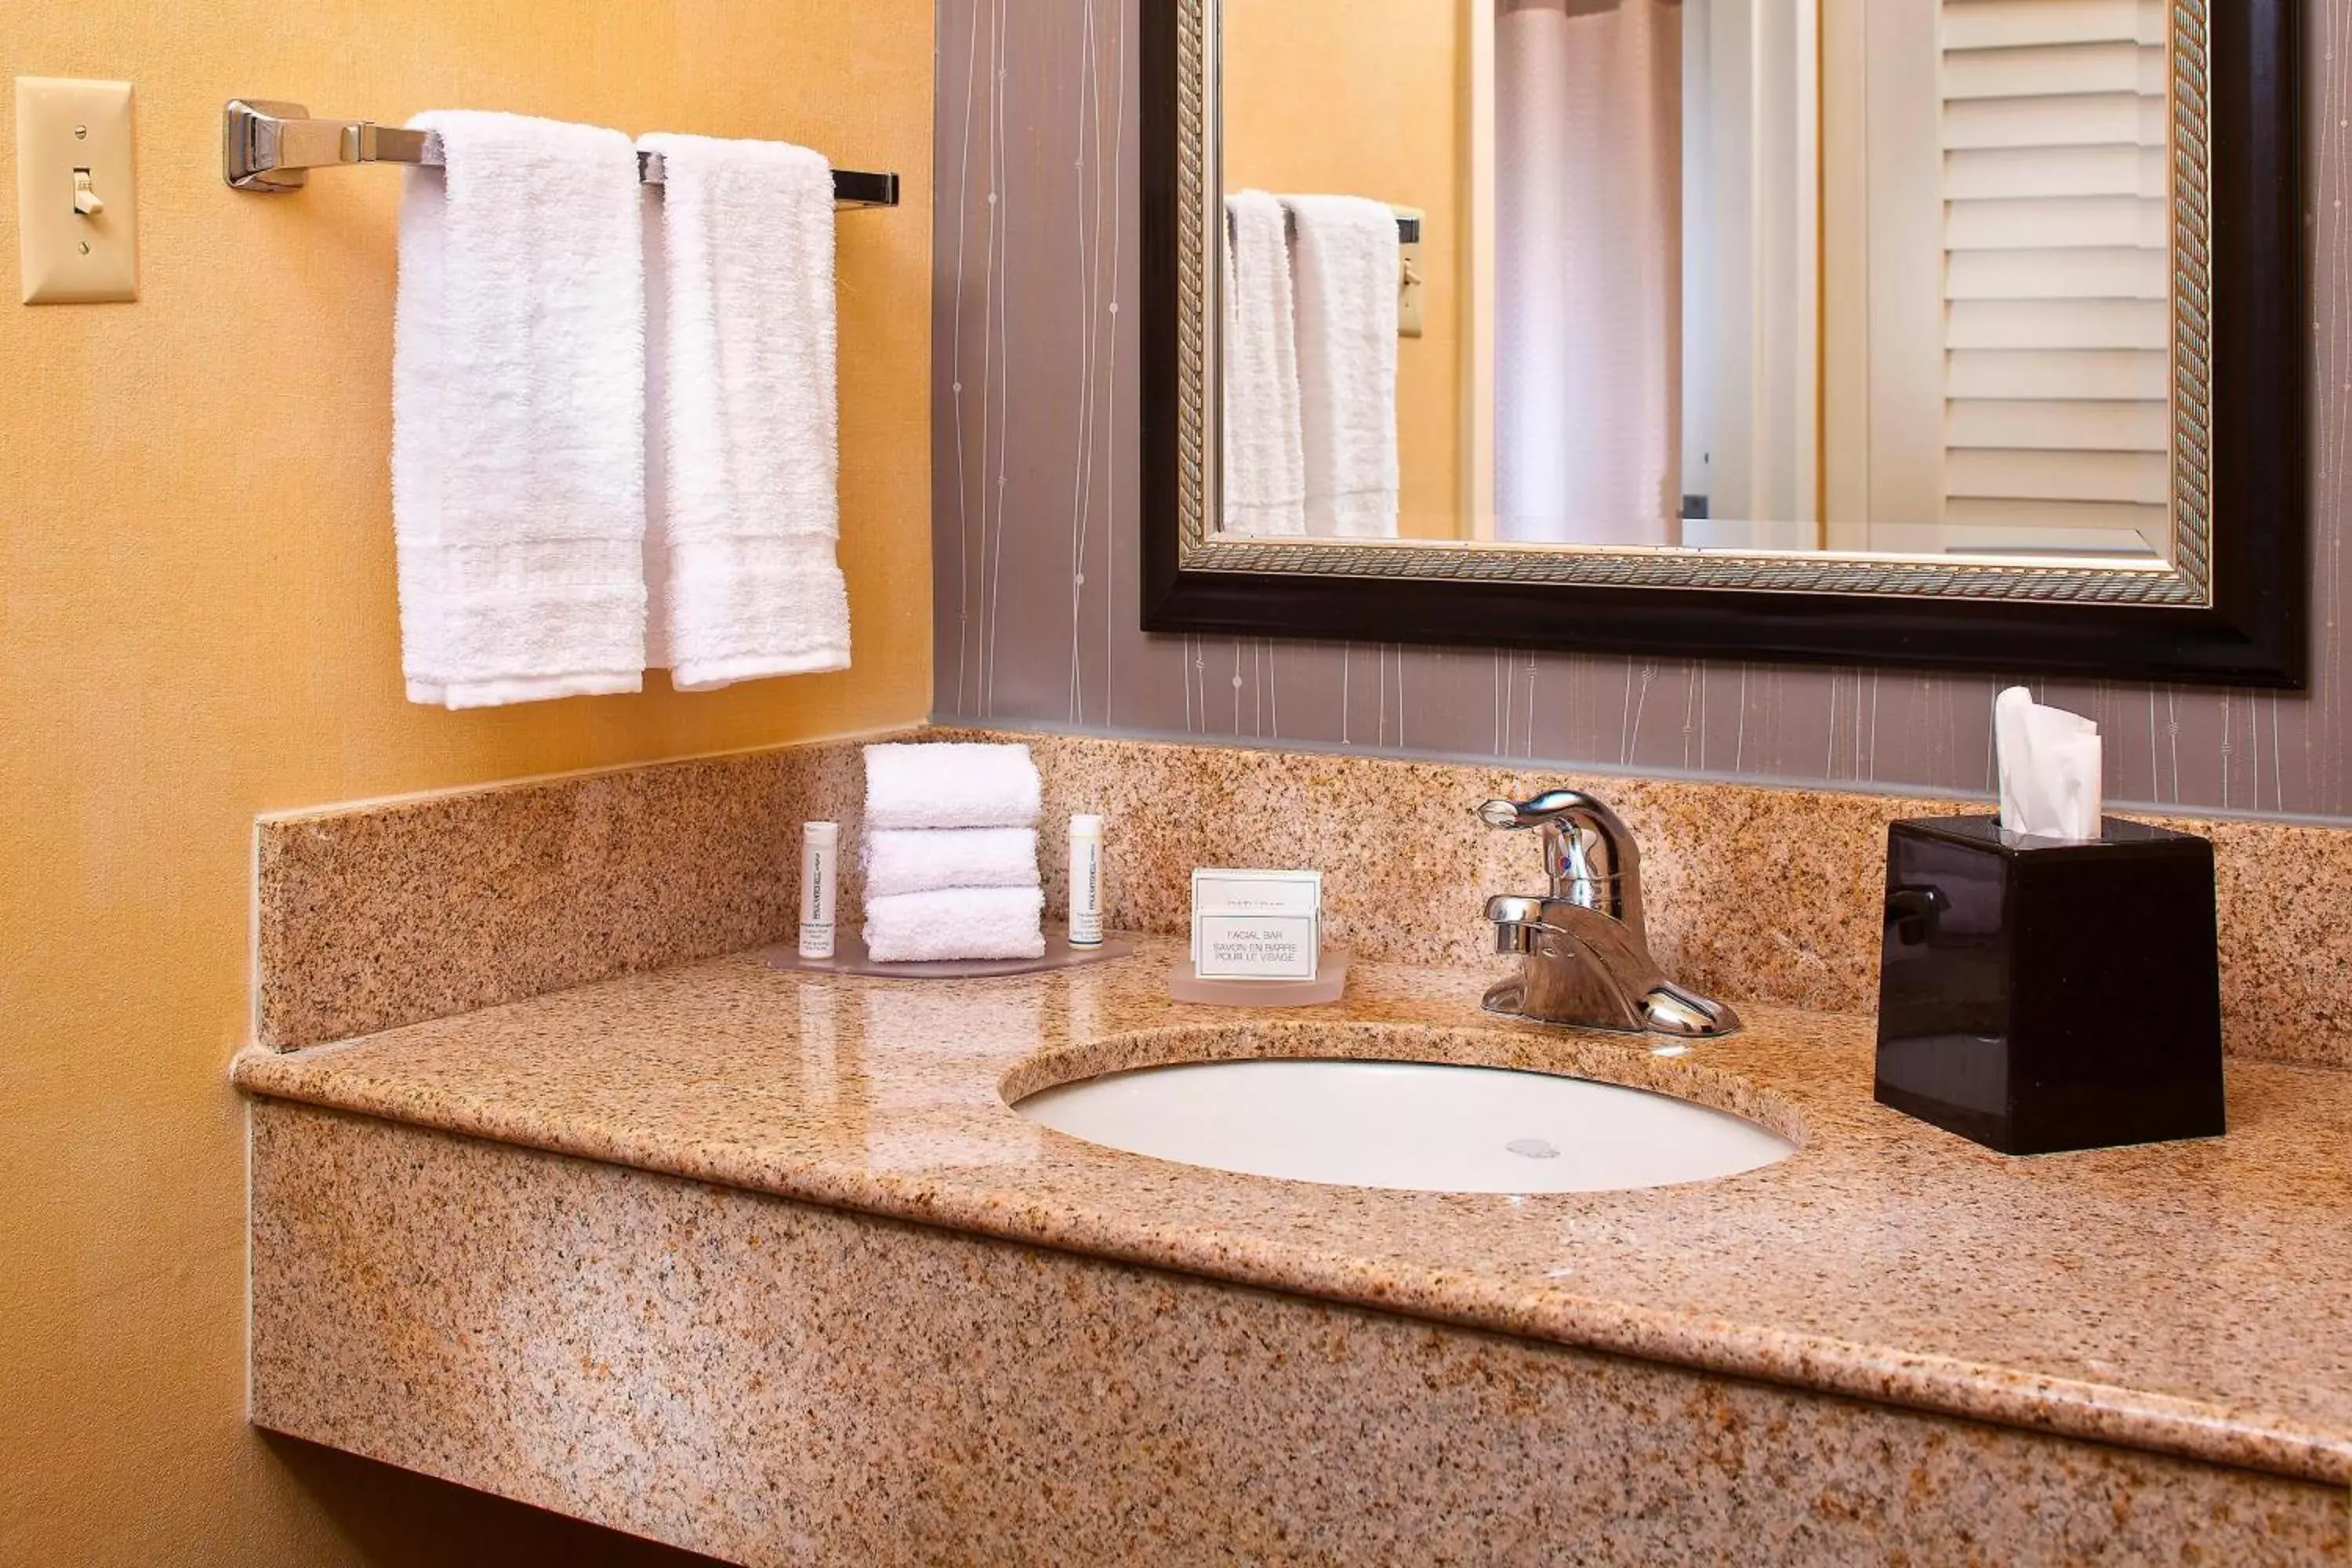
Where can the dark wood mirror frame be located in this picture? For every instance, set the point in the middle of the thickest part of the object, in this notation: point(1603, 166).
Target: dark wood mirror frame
point(2252, 628)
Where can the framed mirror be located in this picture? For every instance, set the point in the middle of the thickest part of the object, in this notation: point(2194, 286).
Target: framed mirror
point(1967, 334)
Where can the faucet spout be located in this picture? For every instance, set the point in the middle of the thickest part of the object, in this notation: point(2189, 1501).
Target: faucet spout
point(1516, 919)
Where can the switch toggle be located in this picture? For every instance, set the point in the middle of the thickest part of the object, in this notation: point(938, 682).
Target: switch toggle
point(76, 192)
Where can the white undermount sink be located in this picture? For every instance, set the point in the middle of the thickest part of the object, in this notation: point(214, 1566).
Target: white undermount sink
point(1411, 1125)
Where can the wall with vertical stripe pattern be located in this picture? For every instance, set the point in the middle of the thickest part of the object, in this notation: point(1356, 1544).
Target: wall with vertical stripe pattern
point(1034, 432)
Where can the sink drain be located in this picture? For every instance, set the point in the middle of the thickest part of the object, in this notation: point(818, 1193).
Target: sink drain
point(1533, 1149)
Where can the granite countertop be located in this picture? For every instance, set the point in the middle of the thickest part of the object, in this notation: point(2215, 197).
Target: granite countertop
point(2193, 1299)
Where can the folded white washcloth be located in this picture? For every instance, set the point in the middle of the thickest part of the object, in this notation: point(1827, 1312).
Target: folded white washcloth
point(744, 429)
point(956, 922)
point(924, 859)
point(951, 784)
point(518, 414)
point(1345, 263)
point(1265, 485)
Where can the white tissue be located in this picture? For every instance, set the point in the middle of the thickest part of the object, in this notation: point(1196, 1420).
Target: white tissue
point(2049, 769)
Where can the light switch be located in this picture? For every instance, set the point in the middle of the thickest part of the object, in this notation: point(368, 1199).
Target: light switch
point(77, 207)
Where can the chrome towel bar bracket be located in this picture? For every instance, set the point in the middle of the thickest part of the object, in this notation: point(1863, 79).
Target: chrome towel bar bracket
point(270, 147)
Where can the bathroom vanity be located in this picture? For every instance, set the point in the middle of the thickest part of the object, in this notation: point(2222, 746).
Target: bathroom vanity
point(549, 1201)
point(765, 1265)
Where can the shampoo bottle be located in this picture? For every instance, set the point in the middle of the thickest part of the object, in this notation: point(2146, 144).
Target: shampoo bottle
point(1086, 881)
point(820, 883)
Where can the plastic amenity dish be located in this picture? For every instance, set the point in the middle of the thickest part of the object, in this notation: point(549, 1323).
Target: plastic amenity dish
point(849, 958)
point(1330, 981)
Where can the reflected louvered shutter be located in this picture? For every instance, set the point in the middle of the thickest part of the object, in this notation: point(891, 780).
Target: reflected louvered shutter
point(2056, 242)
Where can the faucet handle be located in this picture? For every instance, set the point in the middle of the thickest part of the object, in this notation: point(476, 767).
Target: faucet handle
point(1548, 808)
point(1590, 855)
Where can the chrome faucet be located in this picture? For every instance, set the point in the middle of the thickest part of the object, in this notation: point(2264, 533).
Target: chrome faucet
point(1585, 955)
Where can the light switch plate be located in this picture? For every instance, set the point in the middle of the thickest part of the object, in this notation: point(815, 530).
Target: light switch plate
point(70, 257)
point(1408, 279)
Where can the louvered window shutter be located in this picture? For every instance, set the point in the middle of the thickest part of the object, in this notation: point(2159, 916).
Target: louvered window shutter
point(2056, 240)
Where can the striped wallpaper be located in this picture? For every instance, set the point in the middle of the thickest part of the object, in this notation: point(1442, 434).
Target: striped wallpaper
point(1034, 431)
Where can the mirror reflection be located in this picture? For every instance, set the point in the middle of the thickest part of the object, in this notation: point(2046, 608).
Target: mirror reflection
point(1848, 276)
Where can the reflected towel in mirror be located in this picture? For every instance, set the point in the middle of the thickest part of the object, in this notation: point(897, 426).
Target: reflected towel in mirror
point(1265, 460)
point(1344, 271)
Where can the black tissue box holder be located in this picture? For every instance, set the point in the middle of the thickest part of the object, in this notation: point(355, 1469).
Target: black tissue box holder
point(2038, 995)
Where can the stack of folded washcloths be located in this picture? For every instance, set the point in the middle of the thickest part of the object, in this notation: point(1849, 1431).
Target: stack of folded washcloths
point(951, 853)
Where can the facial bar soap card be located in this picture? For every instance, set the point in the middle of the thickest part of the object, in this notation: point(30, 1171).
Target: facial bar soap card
point(1255, 947)
point(1256, 925)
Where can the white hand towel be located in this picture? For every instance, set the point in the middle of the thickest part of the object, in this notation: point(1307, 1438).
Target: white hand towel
point(744, 425)
point(951, 784)
point(959, 923)
point(1344, 260)
point(1266, 462)
point(926, 859)
point(518, 414)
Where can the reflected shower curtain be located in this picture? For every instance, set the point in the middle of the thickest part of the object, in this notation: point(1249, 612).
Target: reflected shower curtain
point(1587, 267)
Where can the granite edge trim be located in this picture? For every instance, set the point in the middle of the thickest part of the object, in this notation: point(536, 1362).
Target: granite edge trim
point(1944, 1385)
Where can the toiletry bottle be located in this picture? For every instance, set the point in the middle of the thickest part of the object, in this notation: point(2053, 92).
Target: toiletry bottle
point(820, 882)
point(1086, 881)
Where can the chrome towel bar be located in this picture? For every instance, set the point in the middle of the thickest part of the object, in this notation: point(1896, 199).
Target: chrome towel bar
point(269, 146)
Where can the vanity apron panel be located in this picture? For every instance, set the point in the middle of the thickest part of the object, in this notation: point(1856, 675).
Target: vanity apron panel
point(770, 1382)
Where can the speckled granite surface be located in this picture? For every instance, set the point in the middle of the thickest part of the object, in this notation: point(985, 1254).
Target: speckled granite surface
point(1754, 894)
point(771, 1382)
point(385, 914)
point(2193, 1300)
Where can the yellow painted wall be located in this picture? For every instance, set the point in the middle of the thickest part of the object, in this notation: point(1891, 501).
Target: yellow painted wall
point(197, 624)
point(1364, 98)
